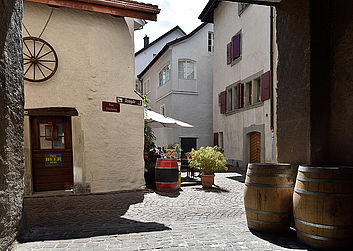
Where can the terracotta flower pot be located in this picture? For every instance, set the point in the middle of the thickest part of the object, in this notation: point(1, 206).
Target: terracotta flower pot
point(207, 180)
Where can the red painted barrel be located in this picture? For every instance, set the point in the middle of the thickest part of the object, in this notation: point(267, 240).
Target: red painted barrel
point(167, 174)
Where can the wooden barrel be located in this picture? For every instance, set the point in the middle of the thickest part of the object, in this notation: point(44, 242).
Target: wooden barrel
point(167, 174)
point(323, 206)
point(268, 196)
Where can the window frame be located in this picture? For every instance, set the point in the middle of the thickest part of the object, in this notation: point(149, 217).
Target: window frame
point(186, 67)
point(242, 7)
point(233, 99)
point(210, 41)
point(164, 81)
point(164, 113)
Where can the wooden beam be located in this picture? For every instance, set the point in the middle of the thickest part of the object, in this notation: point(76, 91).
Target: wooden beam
point(51, 111)
point(105, 7)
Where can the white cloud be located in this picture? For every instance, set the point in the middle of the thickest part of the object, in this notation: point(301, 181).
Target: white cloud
point(173, 12)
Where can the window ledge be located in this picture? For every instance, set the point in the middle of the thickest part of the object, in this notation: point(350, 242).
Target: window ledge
point(248, 107)
point(235, 61)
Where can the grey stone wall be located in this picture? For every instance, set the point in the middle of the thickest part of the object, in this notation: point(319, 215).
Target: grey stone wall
point(11, 120)
point(293, 88)
point(341, 121)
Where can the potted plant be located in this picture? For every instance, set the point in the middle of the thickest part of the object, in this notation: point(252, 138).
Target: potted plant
point(207, 160)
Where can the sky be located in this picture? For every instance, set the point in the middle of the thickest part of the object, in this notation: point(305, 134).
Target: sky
point(173, 12)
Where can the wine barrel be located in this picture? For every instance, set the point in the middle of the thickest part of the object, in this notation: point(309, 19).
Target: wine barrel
point(268, 196)
point(167, 174)
point(323, 206)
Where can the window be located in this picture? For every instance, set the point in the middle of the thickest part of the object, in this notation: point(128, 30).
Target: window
point(57, 138)
point(256, 90)
point(146, 87)
point(248, 93)
point(164, 75)
point(221, 145)
point(186, 69)
point(253, 92)
point(210, 43)
point(231, 97)
point(242, 7)
point(234, 49)
point(162, 110)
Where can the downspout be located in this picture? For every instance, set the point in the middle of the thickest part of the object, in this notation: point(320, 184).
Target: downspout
point(271, 82)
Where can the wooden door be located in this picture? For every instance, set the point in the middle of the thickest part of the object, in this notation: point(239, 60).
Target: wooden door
point(255, 147)
point(52, 166)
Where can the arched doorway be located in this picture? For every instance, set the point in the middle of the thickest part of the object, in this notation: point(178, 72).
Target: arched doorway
point(255, 147)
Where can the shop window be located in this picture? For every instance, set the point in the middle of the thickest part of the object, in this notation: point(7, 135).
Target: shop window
point(186, 69)
point(164, 75)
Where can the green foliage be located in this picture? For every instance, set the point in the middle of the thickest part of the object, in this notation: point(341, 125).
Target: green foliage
point(208, 160)
point(177, 151)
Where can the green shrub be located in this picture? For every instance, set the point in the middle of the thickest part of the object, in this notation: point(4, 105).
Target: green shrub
point(208, 160)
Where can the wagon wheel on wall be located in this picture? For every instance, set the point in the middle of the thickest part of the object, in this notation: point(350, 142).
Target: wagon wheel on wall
point(40, 59)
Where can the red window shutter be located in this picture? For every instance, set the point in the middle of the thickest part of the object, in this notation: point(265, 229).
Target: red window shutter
point(223, 102)
point(215, 139)
point(265, 86)
point(229, 53)
point(236, 46)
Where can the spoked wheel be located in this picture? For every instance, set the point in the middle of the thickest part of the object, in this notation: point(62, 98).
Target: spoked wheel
point(40, 59)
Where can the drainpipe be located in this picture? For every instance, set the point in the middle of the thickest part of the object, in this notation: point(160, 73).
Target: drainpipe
point(271, 80)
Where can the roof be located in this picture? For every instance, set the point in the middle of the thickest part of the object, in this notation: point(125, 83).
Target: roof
point(123, 8)
point(166, 47)
point(161, 37)
point(207, 13)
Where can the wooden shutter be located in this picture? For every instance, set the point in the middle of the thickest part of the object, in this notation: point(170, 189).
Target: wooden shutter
point(229, 53)
point(223, 102)
point(265, 86)
point(236, 46)
point(241, 95)
point(215, 139)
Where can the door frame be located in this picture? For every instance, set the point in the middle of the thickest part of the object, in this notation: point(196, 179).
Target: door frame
point(246, 142)
point(42, 112)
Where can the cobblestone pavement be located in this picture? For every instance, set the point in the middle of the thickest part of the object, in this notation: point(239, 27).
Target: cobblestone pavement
point(190, 219)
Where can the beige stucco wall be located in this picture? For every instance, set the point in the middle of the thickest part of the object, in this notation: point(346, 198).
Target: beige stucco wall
point(254, 24)
point(96, 54)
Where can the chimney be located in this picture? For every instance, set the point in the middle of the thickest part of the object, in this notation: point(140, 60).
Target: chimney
point(146, 41)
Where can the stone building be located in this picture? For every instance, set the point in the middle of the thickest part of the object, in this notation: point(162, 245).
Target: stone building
point(78, 58)
point(241, 81)
point(11, 126)
point(179, 85)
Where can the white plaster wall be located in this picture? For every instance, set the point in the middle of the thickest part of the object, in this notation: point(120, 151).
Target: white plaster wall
point(145, 57)
point(254, 24)
point(95, 53)
point(186, 100)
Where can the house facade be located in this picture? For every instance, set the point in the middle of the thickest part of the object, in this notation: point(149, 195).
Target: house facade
point(78, 58)
point(241, 76)
point(144, 56)
point(180, 80)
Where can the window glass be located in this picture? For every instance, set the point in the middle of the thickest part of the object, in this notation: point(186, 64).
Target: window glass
point(186, 69)
point(42, 130)
point(45, 144)
point(210, 41)
point(59, 144)
point(164, 75)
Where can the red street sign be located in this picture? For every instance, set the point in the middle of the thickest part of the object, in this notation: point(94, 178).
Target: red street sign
point(110, 106)
point(129, 101)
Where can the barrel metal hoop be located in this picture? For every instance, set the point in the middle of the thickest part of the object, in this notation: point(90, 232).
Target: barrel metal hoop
point(324, 181)
point(264, 222)
point(340, 195)
point(307, 169)
point(265, 212)
point(268, 175)
point(168, 167)
point(162, 182)
point(322, 226)
point(251, 166)
point(321, 238)
point(268, 185)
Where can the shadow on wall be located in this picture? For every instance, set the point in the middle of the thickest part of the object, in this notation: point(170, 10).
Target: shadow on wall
point(81, 216)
